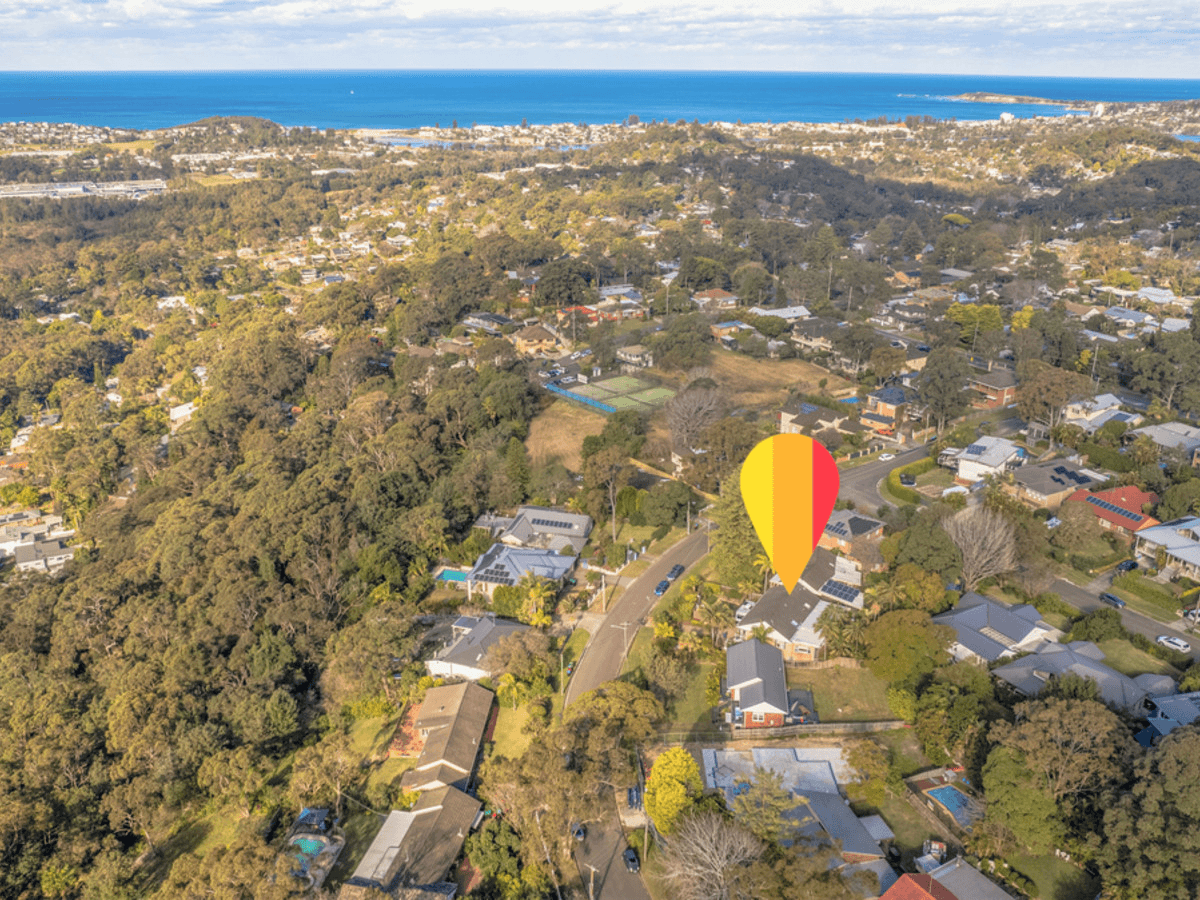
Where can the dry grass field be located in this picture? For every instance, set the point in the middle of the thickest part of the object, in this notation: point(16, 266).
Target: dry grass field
point(763, 384)
point(559, 431)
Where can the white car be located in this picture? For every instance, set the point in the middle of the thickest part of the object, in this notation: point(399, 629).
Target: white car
point(1174, 643)
point(886, 457)
point(743, 610)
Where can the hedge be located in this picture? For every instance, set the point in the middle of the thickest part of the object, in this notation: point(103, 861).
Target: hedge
point(1139, 586)
point(1106, 457)
point(899, 491)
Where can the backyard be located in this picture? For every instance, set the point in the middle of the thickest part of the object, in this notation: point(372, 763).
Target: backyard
point(843, 694)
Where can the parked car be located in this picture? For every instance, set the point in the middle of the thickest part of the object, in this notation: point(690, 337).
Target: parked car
point(886, 457)
point(1127, 565)
point(675, 572)
point(908, 480)
point(578, 831)
point(1174, 643)
point(634, 796)
point(1112, 600)
point(570, 379)
point(631, 859)
point(661, 588)
point(743, 610)
point(570, 669)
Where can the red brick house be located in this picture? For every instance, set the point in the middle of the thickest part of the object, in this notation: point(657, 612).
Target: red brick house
point(756, 684)
point(994, 389)
point(1119, 509)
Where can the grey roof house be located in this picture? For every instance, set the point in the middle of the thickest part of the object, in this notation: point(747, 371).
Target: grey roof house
point(466, 654)
point(755, 680)
point(1029, 674)
point(987, 630)
point(539, 527)
point(504, 565)
point(452, 720)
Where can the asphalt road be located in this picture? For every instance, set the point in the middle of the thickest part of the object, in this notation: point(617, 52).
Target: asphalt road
point(606, 649)
point(1087, 599)
point(600, 852)
point(861, 484)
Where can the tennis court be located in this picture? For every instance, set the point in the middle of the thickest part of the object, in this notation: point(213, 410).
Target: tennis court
point(620, 392)
point(622, 384)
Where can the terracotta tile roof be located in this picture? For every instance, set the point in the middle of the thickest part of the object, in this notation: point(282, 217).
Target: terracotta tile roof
point(918, 887)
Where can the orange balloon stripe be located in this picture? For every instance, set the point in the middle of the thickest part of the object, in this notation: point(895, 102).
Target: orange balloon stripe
point(791, 526)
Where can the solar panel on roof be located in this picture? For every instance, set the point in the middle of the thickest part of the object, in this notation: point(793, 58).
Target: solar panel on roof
point(976, 450)
point(838, 528)
point(845, 592)
point(807, 409)
point(552, 523)
point(1115, 510)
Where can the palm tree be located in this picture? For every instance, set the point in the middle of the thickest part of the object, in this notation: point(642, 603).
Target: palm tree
point(715, 614)
point(762, 562)
point(761, 632)
point(886, 595)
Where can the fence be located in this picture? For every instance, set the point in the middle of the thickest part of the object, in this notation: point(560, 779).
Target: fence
point(579, 398)
point(838, 662)
point(734, 733)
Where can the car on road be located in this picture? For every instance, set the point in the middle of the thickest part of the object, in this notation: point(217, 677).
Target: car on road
point(578, 831)
point(1174, 643)
point(886, 457)
point(631, 860)
point(1112, 600)
point(1127, 565)
point(661, 587)
point(676, 571)
point(743, 610)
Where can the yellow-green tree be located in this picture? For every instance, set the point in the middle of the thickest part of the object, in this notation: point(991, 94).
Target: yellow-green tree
point(672, 788)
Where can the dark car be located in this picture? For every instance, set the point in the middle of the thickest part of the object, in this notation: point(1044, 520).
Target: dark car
point(661, 587)
point(675, 572)
point(578, 831)
point(1112, 600)
point(631, 860)
point(908, 480)
point(1127, 566)
point(634, 796)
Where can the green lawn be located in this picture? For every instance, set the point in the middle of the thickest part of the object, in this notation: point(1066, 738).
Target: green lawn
point(907, 824)
point(360, 827)
point(906, 750)
point(510, 739)
point(1161, 610)
point(573, 649)
point(1056, 879)
point(844, 695)
point(390, 770)
point(1127, 659)
point(371, 737)
point(939, 477)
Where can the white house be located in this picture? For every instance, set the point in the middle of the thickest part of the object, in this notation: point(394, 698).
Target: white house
point(985, 458)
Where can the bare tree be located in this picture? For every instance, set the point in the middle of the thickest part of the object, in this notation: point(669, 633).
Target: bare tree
point(690, 412)
point(703, 851)
point(987, 543)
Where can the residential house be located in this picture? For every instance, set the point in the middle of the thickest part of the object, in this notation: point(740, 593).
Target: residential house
point(949, 276)
point(621, 292)
point(1131, 322)
point(1172, 436)
point(789, 314)
point(487, 322)
point(802, 417)
point(728, 329)
point(452, 721)
point(995, 389)
point(987, 630)
point(814, 779)
point(714, 300)
point(42, 556)
point(1120, 509)
point(180, 415)
point(471, 639)
point(903, 315)
point(1095, 412)
point(1029, 674)
point(415, 848)
point(887, 408)
point(987, 457)
point(507, 566)
point(635, 356)
point(845, 528)
point(620, 309)
point(540, 527)
point(790, 619)
point(1046, 485)
point(1163, 297)
point(1168, 712)
point(816, 335)
point(953, 880)
point(756, 683)
point(1178, 541)
point(933, 295)
point(535, 340)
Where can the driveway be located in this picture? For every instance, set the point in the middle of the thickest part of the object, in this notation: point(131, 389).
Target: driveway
point(608, 644)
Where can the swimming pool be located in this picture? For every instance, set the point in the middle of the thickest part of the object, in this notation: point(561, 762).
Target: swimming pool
point(309, 846)
point(954, 802)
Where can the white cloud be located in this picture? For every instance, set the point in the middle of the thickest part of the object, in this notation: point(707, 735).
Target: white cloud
point(1095, 37)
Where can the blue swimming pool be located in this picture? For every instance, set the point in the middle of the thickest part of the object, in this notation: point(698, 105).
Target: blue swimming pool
point(955, 802)
point(309, 846)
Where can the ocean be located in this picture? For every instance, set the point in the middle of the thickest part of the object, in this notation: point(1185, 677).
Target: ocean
point(408, 99)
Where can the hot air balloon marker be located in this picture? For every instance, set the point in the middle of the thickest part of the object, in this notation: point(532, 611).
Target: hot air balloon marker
point(789, 485)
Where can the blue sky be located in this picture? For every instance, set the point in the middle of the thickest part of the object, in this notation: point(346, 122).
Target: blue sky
point(954, 36)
